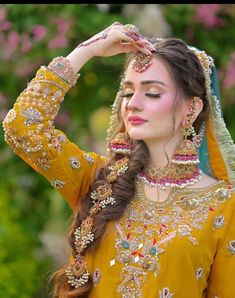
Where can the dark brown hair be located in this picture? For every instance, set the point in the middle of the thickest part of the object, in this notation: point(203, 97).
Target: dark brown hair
point(187, 73)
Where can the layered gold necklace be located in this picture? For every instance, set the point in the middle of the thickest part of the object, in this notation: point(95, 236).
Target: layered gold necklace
point(179, 175)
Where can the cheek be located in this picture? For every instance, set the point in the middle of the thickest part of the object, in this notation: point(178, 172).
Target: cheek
point(161, 107)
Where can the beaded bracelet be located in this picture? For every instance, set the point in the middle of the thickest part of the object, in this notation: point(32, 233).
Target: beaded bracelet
point(63, 68)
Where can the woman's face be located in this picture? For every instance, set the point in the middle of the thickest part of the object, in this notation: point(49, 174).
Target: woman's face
point(150, 97)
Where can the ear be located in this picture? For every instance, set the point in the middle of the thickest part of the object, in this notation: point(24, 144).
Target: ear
point(193, 109)
point(198, 107)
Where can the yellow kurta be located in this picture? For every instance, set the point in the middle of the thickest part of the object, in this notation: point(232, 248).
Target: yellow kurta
point(182, 248)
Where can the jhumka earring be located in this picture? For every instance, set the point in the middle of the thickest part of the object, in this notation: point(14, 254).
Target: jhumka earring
point(120, 144)
point(185, 152)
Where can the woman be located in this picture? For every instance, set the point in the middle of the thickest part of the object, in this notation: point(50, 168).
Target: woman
point(155, 217)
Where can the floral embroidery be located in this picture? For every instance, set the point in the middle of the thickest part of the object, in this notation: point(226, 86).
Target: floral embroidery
point(55, 140)
point(74, 162)
point(39, 103)
point(88, 157)
point(219, 221)
point(96, 276)
point(32, 115)
point(199, 273)
point(222, 194)
point(146, 227)
point(231, 247)
point(56, 95)
point(165, 293)
point(132, 280)
point(57, 183)
point(132, 250)
point(185, 230)
point(43, 163)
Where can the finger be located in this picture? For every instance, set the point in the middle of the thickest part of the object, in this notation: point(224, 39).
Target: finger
point(140, 41)
point(144, 44)
point(141, 44)
point(137, 36)
point(130, 47)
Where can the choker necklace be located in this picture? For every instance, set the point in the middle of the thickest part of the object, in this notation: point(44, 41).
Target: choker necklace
point(179, 175)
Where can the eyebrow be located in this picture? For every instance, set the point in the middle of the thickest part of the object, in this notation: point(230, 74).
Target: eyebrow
point(146, 82)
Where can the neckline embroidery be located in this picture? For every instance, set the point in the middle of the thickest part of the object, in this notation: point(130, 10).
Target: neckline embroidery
point(146, 229)
point(174, 193)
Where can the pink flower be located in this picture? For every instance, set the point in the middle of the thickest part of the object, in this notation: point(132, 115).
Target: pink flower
point(3, 14)
point(25, 69)
point(229, 78)
point(207, 15)
point(39, 32)
point(12, 41)
point(62, 24)
point(26, 44)
point(58, 42)
point(5, 25)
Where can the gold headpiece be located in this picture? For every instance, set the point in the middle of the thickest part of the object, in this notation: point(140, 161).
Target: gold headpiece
point(142, 62)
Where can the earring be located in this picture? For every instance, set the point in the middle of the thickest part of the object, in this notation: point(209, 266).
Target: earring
point(185, 152)
point(120, 144)
point(197, 139)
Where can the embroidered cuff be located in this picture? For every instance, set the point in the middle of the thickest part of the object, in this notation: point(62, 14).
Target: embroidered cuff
point(63, 68)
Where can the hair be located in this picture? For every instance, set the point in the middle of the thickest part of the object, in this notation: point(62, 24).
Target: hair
point(187, 72)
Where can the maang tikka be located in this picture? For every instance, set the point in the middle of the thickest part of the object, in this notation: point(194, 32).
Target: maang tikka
point(142, 62)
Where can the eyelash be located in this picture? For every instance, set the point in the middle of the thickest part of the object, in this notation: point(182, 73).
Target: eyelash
point(147, 94)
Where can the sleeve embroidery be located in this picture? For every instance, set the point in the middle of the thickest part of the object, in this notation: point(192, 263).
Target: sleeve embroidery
point(29, 129)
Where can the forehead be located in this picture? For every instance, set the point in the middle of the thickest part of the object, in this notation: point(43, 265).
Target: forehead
point(157, 71)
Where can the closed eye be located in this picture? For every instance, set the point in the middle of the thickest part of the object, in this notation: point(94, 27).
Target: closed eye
point(147, 94)
point(153, 95)
point(128, 95)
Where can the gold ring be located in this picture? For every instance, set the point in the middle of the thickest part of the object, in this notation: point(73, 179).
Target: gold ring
point(132, 28)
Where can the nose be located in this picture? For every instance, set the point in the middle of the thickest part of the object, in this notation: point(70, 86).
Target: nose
point(134, 103)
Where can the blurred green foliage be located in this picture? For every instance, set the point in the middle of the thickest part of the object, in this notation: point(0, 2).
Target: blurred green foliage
point(32, 35)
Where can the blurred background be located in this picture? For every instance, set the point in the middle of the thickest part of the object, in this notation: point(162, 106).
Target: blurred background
point(34, 219)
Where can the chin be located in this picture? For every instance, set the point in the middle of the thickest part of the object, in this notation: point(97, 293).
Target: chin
point(137, 136)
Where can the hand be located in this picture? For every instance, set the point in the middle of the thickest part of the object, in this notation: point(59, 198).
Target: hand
point(117, 39)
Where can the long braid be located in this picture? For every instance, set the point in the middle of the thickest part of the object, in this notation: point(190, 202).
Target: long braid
point(123, 190)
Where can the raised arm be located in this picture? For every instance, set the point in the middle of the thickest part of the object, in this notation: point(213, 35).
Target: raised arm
point(29, 125)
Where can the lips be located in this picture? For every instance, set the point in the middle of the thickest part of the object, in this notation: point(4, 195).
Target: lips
point(136, 120)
